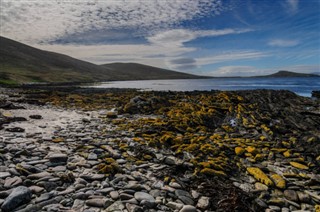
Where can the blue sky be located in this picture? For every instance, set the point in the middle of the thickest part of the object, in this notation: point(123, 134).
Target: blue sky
point(207, 37)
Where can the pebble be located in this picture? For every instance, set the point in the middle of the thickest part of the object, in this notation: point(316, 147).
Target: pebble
point(188, 208)
point(58, 158)
point(18, 196)
point(203, 203)
point(100, 203)
point(4, 175)
point(143, 196)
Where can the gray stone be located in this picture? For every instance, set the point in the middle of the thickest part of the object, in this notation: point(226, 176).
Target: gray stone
point(274, 208)
point(285, 210)
point(114, 195)
point(125, 196)
point(115, 207)
point(18, 196)
point(171, 160)
point(203, 203)
point(175, 205)
point(186, 200)
point(303, 197)
point(11, 182)
point(58, 158)
point(36, 189)
point(291, 195)
point(180, 192)
point(4, 175)
point(92, 156)
point(143, 196)
point(100, 203)
point(133, 208)
point(39, 175)
point(188, 208)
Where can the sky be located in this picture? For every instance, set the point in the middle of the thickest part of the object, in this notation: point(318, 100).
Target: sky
point(204, 37)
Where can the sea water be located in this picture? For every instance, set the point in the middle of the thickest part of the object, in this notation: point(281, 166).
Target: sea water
point(300, 85)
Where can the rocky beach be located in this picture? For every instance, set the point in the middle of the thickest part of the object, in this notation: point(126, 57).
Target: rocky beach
point(91, 150)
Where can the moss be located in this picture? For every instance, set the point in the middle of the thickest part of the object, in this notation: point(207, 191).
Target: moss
point(278, 181)
point(147, 157)
point(239, 150)
point(260, 175)
point(58, 140)
point(259, 157)
point(287, 154)
point(252, 150)
point(212, 172)
point(299, 165)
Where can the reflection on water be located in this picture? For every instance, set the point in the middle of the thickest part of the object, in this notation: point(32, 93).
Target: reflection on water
point(301, 85)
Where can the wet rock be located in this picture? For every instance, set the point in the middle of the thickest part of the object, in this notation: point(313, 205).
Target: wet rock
point(18, 196)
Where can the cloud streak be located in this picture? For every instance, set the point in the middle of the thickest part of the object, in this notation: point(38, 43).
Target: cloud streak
point(283, 43)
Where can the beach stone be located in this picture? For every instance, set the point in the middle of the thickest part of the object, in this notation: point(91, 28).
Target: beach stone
point(125, 196)
point(11, 182)
point(203, 203)
point(58, 158)
point(188, 208)
point(39, 175)
point(36, 189)
point(114, 195)
point(18, 196)
point(4, 175)
point(260, 187)
point(133, 208)
point(303, 197)
point(35, 116)
point(175, 205)
point(186, 200)
point(116, 206)
point(100, 203)
point(291, 195)
point(180, 192)
point(143, 196)
point(171, 160)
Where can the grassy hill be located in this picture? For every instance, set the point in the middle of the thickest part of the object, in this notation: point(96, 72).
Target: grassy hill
point(139, 72)
point(20, 63)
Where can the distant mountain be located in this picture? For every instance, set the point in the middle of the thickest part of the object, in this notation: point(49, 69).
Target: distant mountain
point(20, 63)
point(283, 73)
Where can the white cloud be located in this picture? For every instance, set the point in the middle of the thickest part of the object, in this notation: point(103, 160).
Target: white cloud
point(168, 45)
point(177, 37)
point(231, 56)
point(36, 21)
point(283, 43)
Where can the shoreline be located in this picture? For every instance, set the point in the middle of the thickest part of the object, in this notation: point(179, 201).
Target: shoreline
point(163, 150)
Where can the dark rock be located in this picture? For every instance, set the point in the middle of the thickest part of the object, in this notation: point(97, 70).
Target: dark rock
point(18, 196)
point(15, 129)
point(35, 116)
